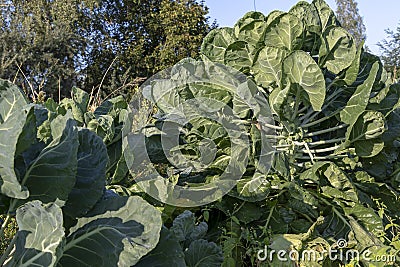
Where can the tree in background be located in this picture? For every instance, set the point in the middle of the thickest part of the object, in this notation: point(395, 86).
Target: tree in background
point(141, 38)
point(390, 49)
point(52, 44)
point(39, 44)
point(350, 19)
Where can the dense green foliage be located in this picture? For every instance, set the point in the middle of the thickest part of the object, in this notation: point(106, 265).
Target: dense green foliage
point(40, 43)
point(335, 117)
point(57, 161)
point(324, 107)
point(53, 176)
point(54, 45)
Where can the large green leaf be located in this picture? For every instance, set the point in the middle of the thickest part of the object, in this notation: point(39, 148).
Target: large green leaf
point(213, 95)
point(368, 126)
point(302, 71)
point(91, 174)
point(202, 253)
point(111, 107)
point(29, 133)
point(121, 170)
point(168, 252)
point(392, 117)
point(40, 235)
point(10, 131)
point(359, 100)
point(267, 68)
point(81, 98)
point(367, 218)
point(52, 174)
point(11, 99)
point(352, 70)
point(118, 231)
point(185, 230)
point(367, 62)
point(273, 15)
point(215, 44)
point(367, 132)
point(308, 13)
point(311, 174)
point(307, 200)
point(325, 13)
point(103, 126)
point(277, 98)
point(247, 18)
point(253, 188)
point(363, 237)
point(285, 31)
point(341, 186)
point(338, 49)
point(69, 104)
point(369, 148)
point(335, 224)
point(183, 225)
point(179, 238)
point(13, 120)
point(238, 56)
point(252, 32)
point(387, 100)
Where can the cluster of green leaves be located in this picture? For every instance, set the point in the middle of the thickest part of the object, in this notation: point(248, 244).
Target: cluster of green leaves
point(56, 162)
point(335, 170)
point(336, 114)
point(53, 177)
point(208, 117)
point(184, 244)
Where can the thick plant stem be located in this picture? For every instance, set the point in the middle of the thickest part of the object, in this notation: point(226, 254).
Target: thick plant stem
point(333, 207)
point(274, 136)
point(307, 150)
point(322, 150)
point(326, 142)
point(306, 118)
point(307, 125)
point(324, 158)
point(7, 252)
point(341, 126)
point(302, 109)
point(270, 215)
point(272, 126)
point(281, 146)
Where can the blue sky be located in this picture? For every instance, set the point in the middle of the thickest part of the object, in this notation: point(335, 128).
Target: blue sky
point(377, 15)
